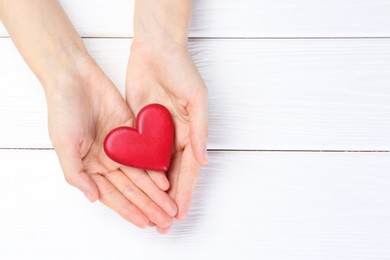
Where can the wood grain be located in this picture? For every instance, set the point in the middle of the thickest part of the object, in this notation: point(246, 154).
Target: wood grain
point(264, 94)
point(246, 18)
point(295, 92)
point(246, 205)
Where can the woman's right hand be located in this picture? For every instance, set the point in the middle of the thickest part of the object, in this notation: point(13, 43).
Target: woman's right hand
point(83, 106)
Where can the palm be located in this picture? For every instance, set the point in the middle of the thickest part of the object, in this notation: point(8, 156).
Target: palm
point(95, 159)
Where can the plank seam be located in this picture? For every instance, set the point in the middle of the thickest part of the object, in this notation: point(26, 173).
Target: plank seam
point(298, 150)
point(249, 38)
point(291, 38)
point(244, 150)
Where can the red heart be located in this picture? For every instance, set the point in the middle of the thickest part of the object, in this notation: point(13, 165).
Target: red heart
point(149, 145)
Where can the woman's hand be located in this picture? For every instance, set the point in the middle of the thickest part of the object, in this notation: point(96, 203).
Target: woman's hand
point(160, 70)
point(169, 77)
point(83, 107)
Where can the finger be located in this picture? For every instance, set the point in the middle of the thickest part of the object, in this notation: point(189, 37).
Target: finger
point(74, 173)
point(163, 231)
point(198, 117)
point(113, 199)
point(173, 174)
point(134, 195)
point(160, 179)
point(142, 180)
point(189, 171)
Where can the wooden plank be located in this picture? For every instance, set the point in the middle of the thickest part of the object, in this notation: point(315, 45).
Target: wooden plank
point(246, 205)
point(247, 18)
point(264, 94)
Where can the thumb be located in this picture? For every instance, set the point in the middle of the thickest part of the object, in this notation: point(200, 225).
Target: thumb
point(198, 116)
point(74, 173)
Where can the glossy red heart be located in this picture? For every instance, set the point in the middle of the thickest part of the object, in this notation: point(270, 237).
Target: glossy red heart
point(149, 145)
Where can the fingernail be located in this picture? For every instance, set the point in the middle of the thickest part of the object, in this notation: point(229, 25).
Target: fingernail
point(89, 196)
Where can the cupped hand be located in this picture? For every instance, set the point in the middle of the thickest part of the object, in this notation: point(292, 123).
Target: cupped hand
point(83, 106)
point(168, 76)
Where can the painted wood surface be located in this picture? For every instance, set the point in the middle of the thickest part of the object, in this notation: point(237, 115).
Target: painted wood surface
point(245, 18)
point(292, 92)
point(264, 94)
point(247, 205)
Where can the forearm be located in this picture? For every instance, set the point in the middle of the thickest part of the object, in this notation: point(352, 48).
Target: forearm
point(43, 35)
point(161, 22)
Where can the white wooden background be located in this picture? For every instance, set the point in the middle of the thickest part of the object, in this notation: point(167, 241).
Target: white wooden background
point(299, 138)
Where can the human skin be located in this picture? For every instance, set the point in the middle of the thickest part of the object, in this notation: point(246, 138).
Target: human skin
point(161, 70)
point(83, 106)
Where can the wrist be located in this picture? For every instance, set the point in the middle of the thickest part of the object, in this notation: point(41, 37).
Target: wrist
point(164, 22)
point(43, 35)
point(59, 60)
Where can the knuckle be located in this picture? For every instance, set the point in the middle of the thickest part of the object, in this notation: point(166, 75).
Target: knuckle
point(139, 178)
point(129, 191)
point(109, 190)
point(124, 211)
